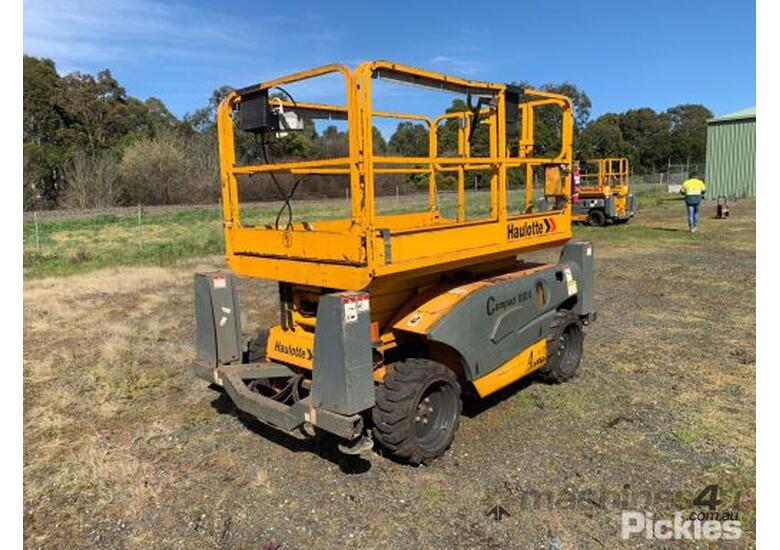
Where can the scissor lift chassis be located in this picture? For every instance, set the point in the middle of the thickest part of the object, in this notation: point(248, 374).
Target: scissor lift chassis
point(497, 318)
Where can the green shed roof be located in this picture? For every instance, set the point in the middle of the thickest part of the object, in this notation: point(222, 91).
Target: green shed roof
point(750, 112)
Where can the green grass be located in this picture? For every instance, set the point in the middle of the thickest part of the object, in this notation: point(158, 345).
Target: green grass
point(432, 495)
point(635, 233)
point(63, 247)
point(69, 246)
point(687, 434)
point(72, 246)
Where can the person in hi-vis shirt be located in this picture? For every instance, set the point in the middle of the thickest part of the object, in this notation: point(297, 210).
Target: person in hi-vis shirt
point(693, 190)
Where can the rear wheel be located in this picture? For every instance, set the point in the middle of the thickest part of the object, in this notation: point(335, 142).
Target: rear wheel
point(564, 347)
point(597, 217)
point(417, 410)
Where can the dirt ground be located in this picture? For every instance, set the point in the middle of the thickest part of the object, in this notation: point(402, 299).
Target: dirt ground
point(124, 448)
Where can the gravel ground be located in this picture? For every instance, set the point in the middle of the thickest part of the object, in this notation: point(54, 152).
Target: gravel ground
point(125, 449)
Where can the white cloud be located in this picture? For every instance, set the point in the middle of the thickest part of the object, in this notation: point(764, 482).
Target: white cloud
point(83, 32)
point(458, 65)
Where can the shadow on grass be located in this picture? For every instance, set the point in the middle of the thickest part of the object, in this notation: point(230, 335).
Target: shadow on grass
point(324, 445)
point(474, 406)
point(672, 229)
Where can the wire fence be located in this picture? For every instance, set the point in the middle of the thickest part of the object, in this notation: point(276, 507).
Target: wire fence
point(62, 242)
point(675, 174)
point(58, 245)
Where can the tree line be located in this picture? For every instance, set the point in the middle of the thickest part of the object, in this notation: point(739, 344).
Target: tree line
point(88, 144)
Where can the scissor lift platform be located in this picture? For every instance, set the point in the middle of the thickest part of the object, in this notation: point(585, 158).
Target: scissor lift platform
point(386, 319)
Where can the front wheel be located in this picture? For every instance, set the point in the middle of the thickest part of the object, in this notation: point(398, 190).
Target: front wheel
point(564, 347)
point(417, 410)
point(597, 217)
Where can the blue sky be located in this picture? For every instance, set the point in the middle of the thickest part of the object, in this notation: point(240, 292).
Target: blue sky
point(623, 54)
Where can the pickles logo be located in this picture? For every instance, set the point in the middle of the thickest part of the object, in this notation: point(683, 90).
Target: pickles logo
point(712, 524)
point(293, 351)
point(530, 229)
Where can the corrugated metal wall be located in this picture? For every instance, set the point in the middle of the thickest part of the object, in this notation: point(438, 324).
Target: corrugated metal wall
point(731, 158)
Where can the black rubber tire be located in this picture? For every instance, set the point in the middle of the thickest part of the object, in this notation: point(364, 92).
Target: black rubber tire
point(255, 347)
point(597, 217)
point(407, 425)
point(564, 347)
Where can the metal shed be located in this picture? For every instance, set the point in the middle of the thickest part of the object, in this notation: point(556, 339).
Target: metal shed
point(731, 155)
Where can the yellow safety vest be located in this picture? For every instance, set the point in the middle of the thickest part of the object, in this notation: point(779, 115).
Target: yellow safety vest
point(693, 186)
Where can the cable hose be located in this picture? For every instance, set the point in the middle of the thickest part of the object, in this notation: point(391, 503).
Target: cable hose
point(296, 395)
point(290, 390)
point(285, 92)
point(285, 196)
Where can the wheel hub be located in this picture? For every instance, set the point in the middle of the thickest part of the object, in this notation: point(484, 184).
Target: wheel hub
point(435, 414)
point(424, 409)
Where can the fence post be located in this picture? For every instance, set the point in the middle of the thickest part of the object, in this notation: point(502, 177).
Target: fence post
point(396, 195)
point(37, 237)
point(140, 230)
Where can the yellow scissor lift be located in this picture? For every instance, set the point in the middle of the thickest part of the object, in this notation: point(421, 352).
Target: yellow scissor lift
point(603, 193)
point(387, 319)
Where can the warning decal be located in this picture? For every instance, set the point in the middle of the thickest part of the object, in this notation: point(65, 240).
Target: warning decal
point(219, 281)
point(354, 306)
point(571, 284)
